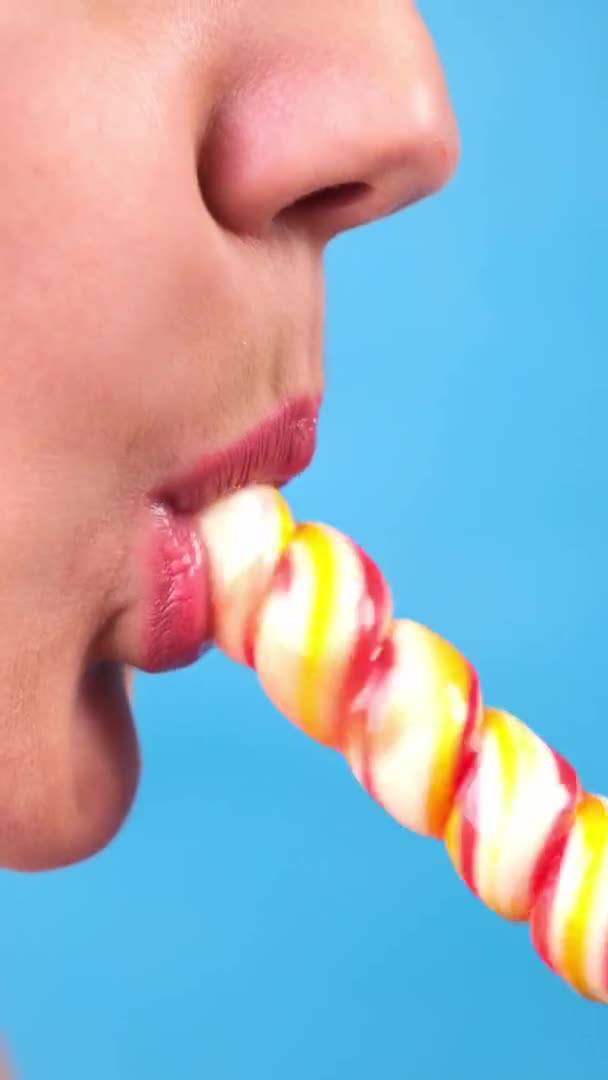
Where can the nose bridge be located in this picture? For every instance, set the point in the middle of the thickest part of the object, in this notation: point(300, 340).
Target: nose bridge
point(371, 109)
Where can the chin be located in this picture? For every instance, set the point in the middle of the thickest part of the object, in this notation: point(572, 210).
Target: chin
point(73, 793)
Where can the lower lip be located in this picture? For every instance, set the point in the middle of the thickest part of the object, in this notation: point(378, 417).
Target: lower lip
point(178, 625)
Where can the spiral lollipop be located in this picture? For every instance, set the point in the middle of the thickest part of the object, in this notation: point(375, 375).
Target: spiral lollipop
point(308, 610)
point(569, 921)
point(302, 605)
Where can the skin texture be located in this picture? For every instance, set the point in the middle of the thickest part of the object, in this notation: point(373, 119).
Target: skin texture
point(161, 282)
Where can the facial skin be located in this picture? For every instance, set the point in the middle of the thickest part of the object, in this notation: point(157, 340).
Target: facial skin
point(161, 286)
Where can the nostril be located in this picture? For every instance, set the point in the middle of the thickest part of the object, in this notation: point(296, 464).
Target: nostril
point(332, 198)
point(327, 199)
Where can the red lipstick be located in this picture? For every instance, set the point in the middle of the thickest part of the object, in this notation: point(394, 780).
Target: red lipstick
point(177, 617)
point(272, 453)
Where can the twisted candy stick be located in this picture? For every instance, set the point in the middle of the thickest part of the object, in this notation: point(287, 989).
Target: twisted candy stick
point(305, 607)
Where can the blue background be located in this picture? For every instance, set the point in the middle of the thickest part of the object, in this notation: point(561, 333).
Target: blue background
point(259, 916)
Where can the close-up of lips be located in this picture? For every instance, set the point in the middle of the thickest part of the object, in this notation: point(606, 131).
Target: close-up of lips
point(179, 618)
point(258, 423)
point(168, 623)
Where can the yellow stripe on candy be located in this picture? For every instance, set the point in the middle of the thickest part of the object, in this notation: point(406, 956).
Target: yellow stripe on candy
point(287, 525)
point(452, 838)
point(450, 723)
point(592, 825)
point(441, 771)
point(321, 551)
point(508, 745)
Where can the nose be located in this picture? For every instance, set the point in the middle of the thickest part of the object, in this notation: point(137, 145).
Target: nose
point(330, 138)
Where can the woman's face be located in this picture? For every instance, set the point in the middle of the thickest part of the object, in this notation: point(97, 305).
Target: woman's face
point(165, 176)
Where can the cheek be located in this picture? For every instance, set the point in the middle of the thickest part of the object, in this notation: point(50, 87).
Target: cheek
point(124, 304)
point(90, 301)
point(89, 230)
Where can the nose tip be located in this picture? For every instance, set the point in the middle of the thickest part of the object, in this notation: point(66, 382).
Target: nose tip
point(335, 142)
point(404, 158)
point(410, 152)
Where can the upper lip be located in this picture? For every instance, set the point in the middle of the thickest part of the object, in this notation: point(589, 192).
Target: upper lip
point(273, 452)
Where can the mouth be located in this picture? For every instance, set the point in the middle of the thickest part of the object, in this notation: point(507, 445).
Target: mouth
point(161, 621)
point(175, 626)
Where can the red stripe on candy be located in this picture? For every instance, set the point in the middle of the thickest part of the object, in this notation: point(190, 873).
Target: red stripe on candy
point(469, 747)
point(249, 638)
point(367, 773)
point(280, 581)
point(380, 670)
point(550, 857)
point(469, 818)
point(374, 605)
point(540, 921)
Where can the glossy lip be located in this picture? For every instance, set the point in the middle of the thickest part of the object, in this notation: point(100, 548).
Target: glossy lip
point(272, 453)
point(177, 621)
